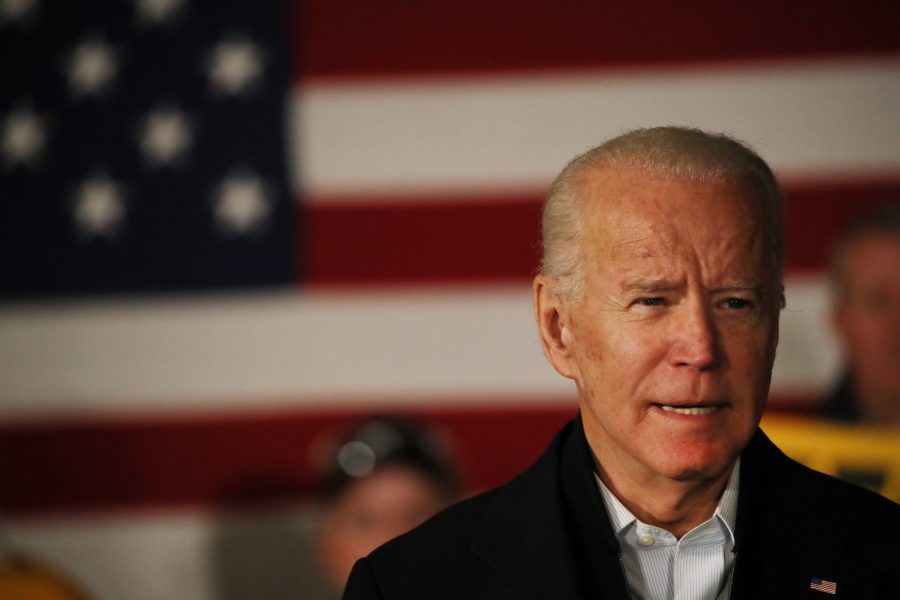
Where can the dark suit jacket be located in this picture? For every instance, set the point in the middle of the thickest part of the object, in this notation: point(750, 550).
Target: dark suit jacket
point(546, 535)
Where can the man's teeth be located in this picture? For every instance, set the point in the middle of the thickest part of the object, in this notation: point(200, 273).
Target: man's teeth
point(690, 410)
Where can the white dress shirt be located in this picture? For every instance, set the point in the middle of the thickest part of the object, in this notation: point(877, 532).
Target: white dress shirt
point(658, 566)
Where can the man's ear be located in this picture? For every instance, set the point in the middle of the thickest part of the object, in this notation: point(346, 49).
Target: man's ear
point(552, 316)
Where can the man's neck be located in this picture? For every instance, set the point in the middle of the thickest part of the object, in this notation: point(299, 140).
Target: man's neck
point(676, 506)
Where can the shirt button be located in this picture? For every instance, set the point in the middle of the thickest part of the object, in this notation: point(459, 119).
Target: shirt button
point(645, 539)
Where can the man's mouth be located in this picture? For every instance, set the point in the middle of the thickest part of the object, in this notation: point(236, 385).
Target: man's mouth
point(690, 410)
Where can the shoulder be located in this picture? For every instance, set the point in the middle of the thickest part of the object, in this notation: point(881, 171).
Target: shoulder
point(454, 554)
point(865, 520)
point(433, 560)
point(864, 513)
point(437, 539)
point(795, 524)
point(813, 491)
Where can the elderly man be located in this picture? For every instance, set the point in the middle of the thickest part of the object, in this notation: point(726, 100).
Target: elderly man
point(659, 296)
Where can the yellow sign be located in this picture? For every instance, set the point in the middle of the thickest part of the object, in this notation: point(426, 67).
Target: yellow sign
point(866, 455)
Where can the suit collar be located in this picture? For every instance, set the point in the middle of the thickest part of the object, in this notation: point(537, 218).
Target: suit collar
point(601, 565)
point(547, 534)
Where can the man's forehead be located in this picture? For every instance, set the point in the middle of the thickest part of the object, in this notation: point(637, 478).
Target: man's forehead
point(639, 204)
point(638, 219)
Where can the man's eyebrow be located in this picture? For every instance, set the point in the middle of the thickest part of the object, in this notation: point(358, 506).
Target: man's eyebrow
point(650, 285)
point(665, 285)
point(740, 286)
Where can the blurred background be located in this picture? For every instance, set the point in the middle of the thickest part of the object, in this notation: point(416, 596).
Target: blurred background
point(229, 229)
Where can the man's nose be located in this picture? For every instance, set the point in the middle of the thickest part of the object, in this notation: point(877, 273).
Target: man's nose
point(694, 338)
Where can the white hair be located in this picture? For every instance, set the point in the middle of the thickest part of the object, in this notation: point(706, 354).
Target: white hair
point(672, 152)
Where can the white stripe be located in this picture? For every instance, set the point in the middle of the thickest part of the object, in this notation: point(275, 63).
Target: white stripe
point(176, 555)
point(478, 134)
point(289, 348)
point(292, 349)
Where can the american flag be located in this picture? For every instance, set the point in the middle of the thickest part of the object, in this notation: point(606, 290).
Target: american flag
point(823, 585)
point(226, 226)
point(143, 147)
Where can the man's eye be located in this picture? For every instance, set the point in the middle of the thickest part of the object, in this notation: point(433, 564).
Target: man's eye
point(737, 303)
point(652, 301)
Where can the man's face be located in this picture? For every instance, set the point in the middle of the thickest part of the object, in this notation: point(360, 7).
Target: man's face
point(868, 321)
point(673, 342)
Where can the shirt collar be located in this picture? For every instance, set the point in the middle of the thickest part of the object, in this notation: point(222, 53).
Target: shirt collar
point(726, 511)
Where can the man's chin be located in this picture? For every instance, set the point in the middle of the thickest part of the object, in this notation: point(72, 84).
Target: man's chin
point(697, 464)
point(696, 474)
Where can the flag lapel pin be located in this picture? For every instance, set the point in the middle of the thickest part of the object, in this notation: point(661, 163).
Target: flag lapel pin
point(823, 585)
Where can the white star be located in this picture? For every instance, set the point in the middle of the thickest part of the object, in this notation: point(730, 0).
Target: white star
point(166, 135)
point(99, 207)
point(92, 67)
point(156, 12)
point(242, 204)
point(23, 138)
point(14, 10)
point(234, 65)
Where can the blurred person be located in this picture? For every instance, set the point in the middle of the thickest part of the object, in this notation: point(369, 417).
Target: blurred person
point(381, 478)
point(865, 271)
point(659, 295)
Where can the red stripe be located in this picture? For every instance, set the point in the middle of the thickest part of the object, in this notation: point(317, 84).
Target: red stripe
point(226, 460)
point(817, 213)
point(498, 238)
point(340, 39)
point(456, 240)
point(222, 461)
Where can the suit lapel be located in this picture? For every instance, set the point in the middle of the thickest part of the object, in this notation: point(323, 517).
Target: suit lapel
point(597, 547)
point(545, 533)
point(787, 535)
point(792, 577)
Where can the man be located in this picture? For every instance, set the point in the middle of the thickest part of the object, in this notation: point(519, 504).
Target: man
point(659, 296)
point(866, 275)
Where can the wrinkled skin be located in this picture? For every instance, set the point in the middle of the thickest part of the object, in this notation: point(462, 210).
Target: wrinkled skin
point(672, 344)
